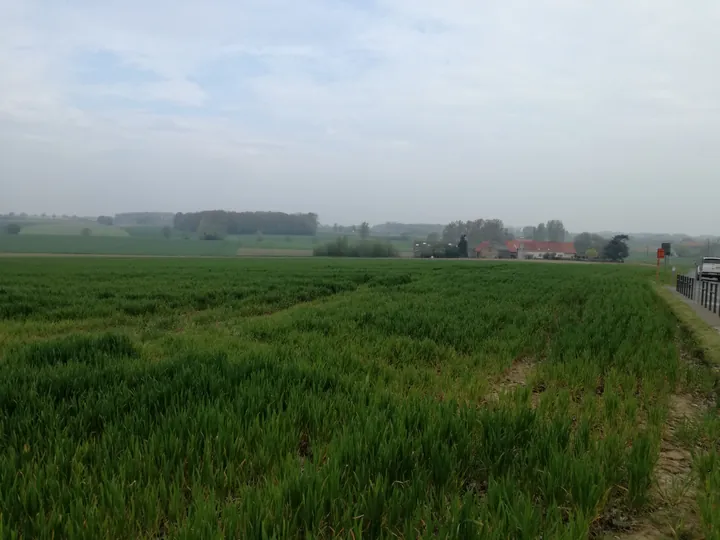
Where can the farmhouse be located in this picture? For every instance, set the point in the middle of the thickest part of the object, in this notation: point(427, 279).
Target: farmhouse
point(532, 249)
point(492, 250)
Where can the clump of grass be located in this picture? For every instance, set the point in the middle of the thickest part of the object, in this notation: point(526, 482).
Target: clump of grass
point(640, 464)
point(77, 348)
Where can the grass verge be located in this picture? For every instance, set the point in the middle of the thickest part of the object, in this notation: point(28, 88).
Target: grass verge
point(694, 428)
point(705, 338)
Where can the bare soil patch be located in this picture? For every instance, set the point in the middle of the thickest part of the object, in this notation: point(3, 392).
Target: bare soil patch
point(517, 375)
point(674, 512)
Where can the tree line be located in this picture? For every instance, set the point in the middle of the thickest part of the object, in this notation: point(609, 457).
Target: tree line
point(478, 230)
point(494, 230)
point(363, 229)
point(552, 231)
point(343, 247)
point(153, 219)
point(212, 224)
point(594, 246)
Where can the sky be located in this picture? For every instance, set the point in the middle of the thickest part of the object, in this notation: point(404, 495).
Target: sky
point(605, 115)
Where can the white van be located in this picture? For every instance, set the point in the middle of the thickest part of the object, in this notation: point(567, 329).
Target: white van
point(709, 268)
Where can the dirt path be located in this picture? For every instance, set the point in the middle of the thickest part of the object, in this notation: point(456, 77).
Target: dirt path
point(674, 510)
point(517, 375)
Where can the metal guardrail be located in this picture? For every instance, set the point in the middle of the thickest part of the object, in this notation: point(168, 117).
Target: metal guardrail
point(701, 292)
point(686, 286)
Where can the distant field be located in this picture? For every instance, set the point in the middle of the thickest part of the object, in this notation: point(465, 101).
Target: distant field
point(145, 231)
point(113, 245)
point(270, 252)
point(298, 242)
point(149, 241)
point(349, 399)
point(71, 228)
point(678, 262)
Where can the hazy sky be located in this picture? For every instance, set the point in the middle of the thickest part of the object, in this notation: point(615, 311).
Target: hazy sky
point(603, 114)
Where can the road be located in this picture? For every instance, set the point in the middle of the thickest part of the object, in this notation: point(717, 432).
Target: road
point(712, 293)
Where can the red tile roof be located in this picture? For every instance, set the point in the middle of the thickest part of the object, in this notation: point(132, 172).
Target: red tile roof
point(482, 245)
point(533, 245)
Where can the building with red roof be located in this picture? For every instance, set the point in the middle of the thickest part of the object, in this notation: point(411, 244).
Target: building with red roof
point(525, 249)
point(537, 250)
point(492, 250)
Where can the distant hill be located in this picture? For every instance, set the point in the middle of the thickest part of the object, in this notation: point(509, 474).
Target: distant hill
point(409, 229)
point(157, 219)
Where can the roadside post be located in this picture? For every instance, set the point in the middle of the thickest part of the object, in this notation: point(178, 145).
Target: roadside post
point(668, 252)
point(660, 255)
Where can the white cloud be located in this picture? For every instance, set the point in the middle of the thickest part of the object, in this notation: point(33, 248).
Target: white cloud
point(555, 98)
point(178, 92)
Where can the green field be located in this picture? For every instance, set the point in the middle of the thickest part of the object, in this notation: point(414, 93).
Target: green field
point(149, 231)
point(112, 245)
point(71, 228)
point(149, 241)
point(148, 398)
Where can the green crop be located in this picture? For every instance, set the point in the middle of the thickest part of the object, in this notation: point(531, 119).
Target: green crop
point(315, 399)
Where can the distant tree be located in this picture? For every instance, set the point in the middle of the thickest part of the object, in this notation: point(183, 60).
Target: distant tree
point(540, 233)
point(479, 230)
point(150, 219)
point(105, 220)
point(528, 232)
point(270, 223)
point(167, 231)
point(462, 247)
point(433, 238)
point(342, 247)
point(493, 230)
point(13, 228)
point(452, 231)
point(617, 248)
point(259, 236)
point(86, 232)
point(211, 228)
point(555, 230)
point(335, 228)
point(591, 253)
point(364, 230)
point(586, 240)
point(582, 242)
